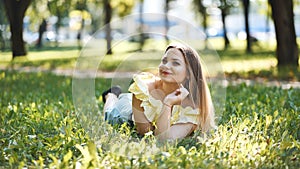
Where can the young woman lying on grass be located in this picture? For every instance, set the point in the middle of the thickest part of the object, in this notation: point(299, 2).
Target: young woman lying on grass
point(173, 104)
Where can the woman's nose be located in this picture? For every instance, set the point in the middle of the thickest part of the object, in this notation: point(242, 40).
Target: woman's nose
point(163, 66)
point(166, 65)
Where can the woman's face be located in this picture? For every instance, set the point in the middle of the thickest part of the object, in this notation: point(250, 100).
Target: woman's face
point(172, 68)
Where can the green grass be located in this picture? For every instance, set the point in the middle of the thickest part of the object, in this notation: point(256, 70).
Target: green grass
point(40, 129)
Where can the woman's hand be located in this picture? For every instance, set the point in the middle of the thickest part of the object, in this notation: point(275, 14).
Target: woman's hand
point(176, 97)
point(164, 129)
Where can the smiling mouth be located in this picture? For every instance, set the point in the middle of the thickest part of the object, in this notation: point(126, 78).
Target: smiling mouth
point(165, 73)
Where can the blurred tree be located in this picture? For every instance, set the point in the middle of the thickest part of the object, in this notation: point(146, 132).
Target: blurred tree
point(38, 14)
point(246, 6)
point(201, 8)
point(60, 9)
point(42, 29)
point(3, 25)
point(166, 20)
point(283, 16)
point(225, 6)
point(95, 8)
point(123, 8)
point(141, 26)
point(82, 7)
point(107, 19)
point(15, 10)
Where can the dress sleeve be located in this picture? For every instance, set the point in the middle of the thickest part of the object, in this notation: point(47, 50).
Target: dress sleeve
point(184, 115)
point(139, 86)
point(152, 107)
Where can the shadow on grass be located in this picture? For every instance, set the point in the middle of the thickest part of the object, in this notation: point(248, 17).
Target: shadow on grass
point(287, 73)
point(52, 48)
point(44, 64)
point(242, 54)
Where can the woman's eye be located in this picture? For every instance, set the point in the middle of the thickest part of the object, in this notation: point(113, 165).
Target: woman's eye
point(176, 63)
point(164, 61)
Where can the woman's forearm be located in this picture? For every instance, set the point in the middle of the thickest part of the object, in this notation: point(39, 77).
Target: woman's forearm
point(163, 122)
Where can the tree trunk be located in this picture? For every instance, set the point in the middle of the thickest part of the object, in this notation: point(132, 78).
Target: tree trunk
point(287, 49)
point(166, 21)
point(246, 5)
point(81, 6)
point(57, 26)
point(226, 40)
point(108, 15)
point(202, 10)
point(3, 22)
point(42, 29)
point(141, 27)
point(80, 32)
point(15, 11)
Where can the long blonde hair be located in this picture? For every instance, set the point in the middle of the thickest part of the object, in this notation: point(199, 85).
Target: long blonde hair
point(197, 86)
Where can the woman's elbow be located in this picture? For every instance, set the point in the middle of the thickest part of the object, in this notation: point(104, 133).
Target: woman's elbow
point(143, 128)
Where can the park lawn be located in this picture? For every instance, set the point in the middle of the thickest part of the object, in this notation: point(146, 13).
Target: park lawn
point(234, 59)
point(40, 128)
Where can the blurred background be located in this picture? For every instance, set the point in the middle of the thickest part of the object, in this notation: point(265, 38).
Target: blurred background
point(249, 25)
point(65, 19)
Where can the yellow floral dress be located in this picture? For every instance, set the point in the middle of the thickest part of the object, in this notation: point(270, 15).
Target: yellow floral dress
point(153, 107)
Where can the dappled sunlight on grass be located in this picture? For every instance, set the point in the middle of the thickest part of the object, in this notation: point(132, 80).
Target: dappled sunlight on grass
point(37, 56)
point(44, 55)
point(237, 44)
point(248, 65)
point(133, 61)
point(5, 57)
point(128, 57)
point(285, 74)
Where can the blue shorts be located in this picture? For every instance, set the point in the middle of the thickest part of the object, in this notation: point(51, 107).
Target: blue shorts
point(121, 112)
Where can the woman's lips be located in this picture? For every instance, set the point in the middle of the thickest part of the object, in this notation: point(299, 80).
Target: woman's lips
point(165, 73)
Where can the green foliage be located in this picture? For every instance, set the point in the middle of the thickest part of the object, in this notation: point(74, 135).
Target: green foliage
point(39, 129)
point(123, 7)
